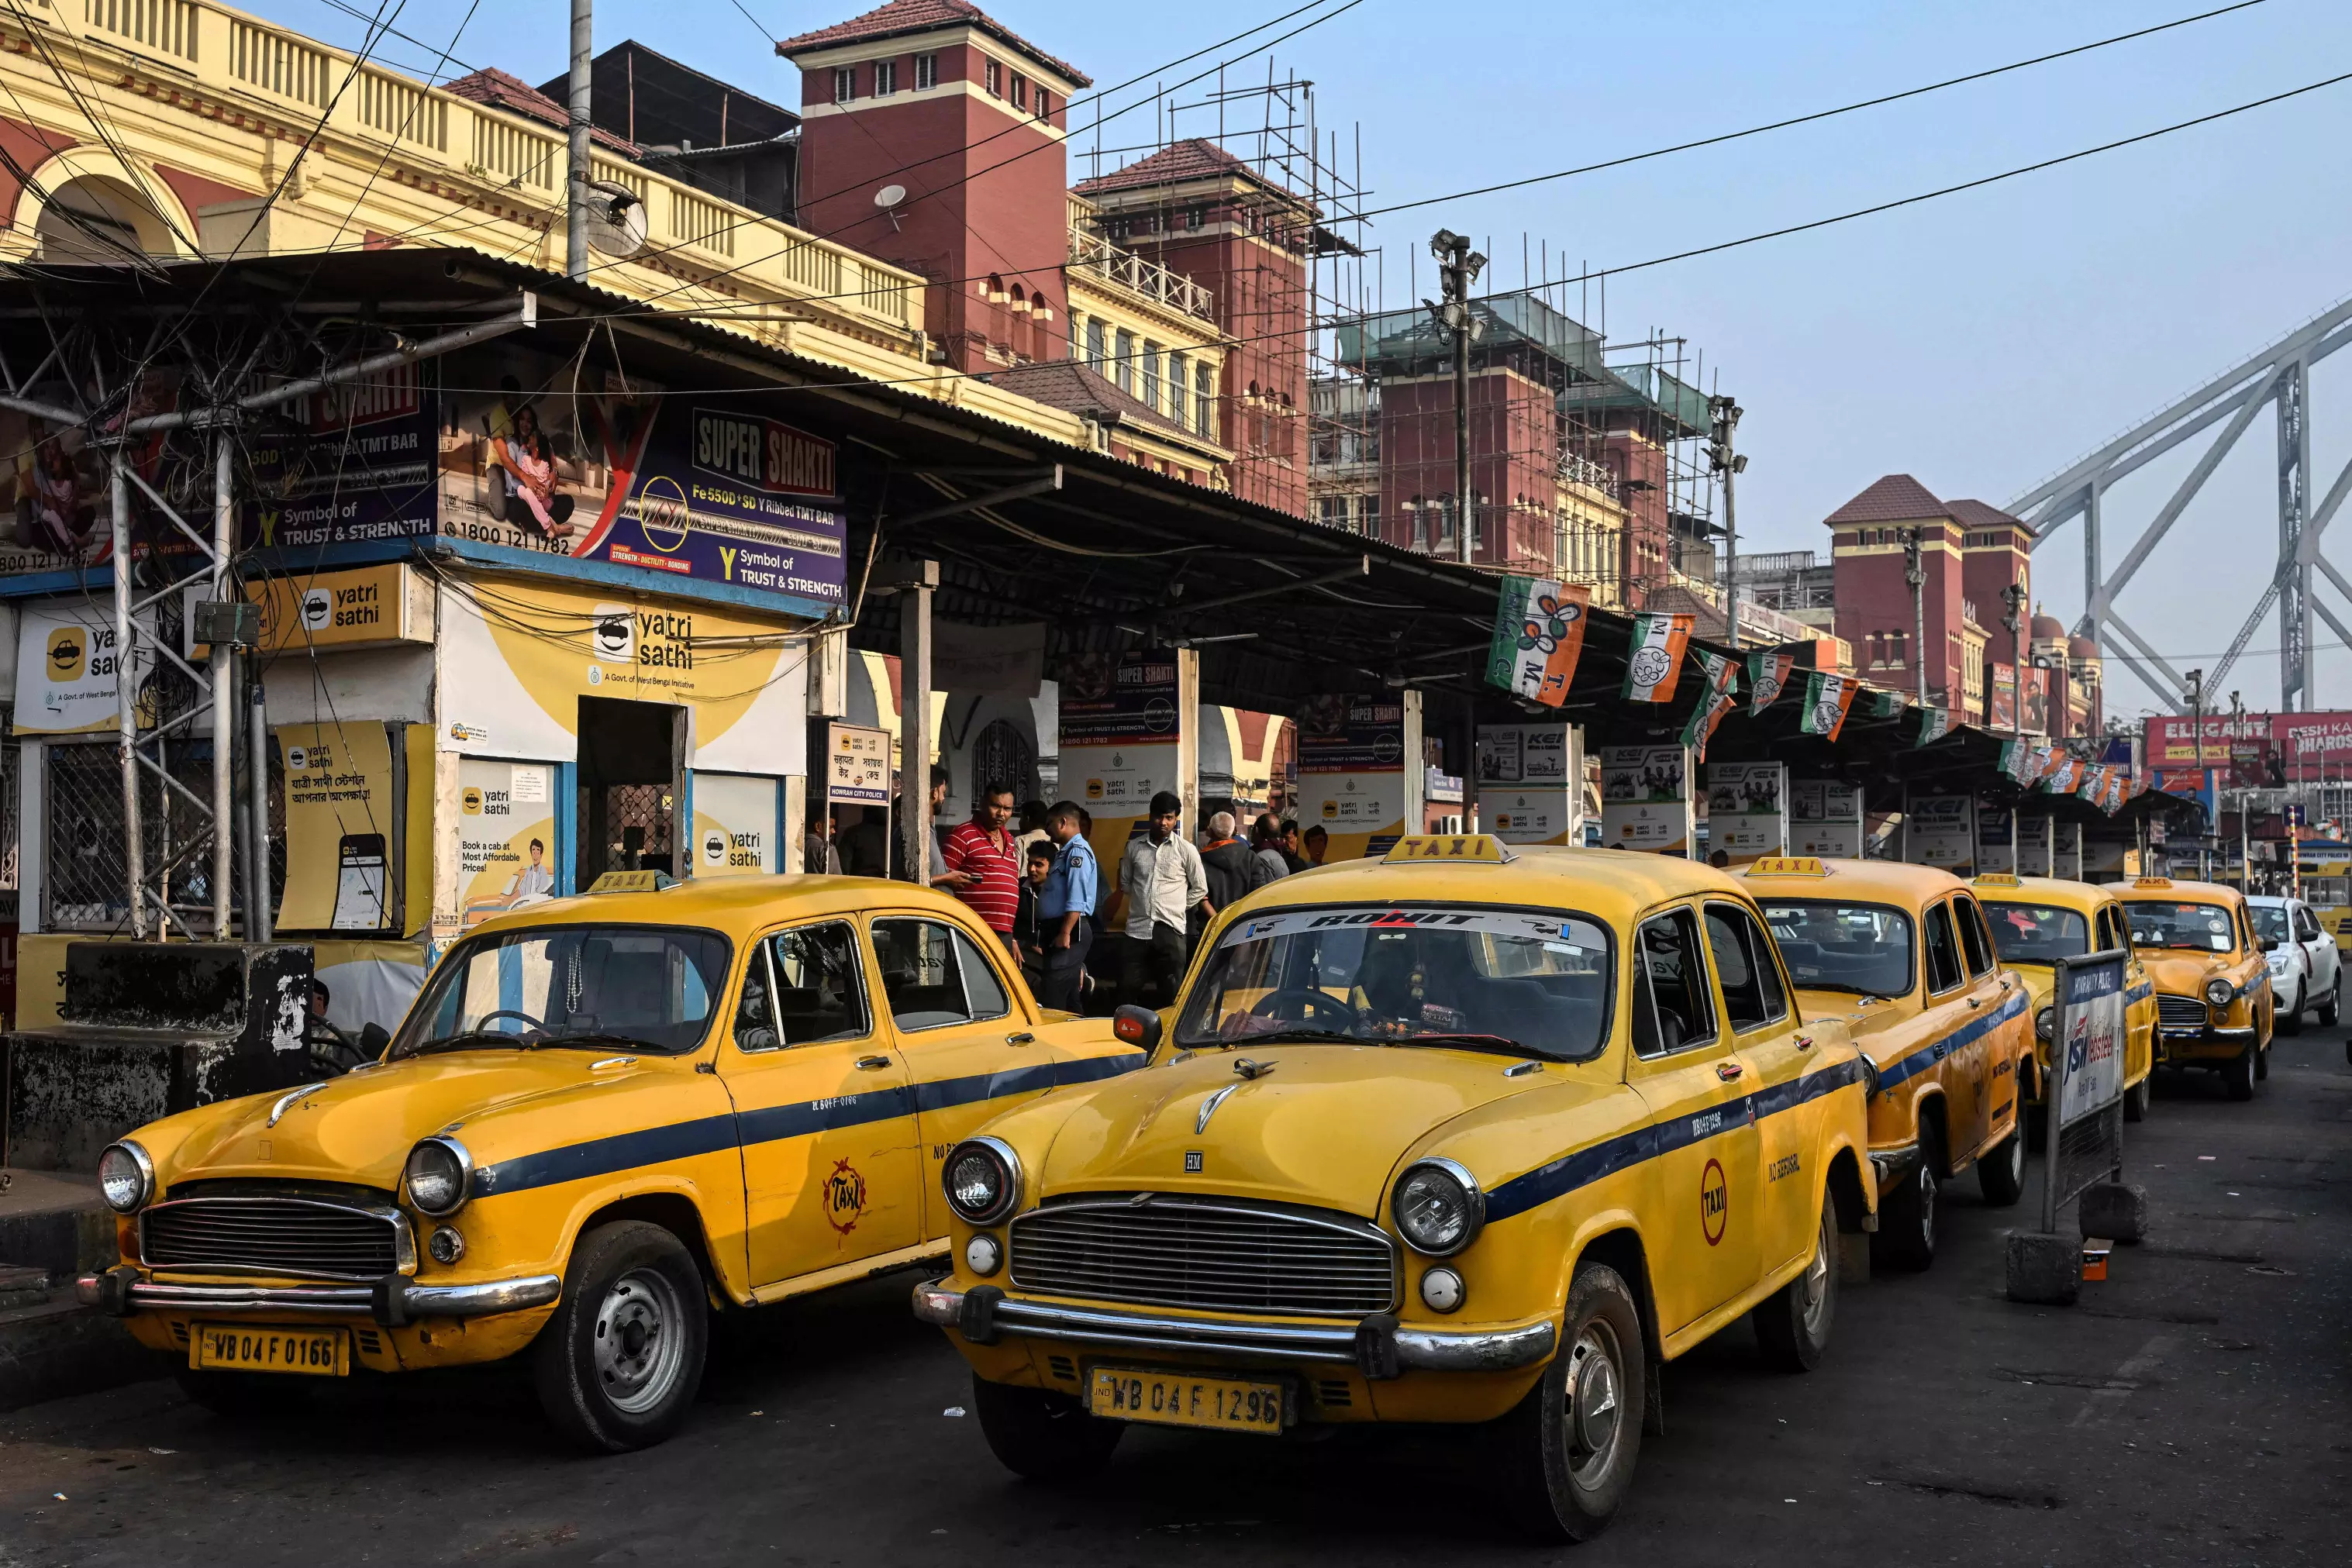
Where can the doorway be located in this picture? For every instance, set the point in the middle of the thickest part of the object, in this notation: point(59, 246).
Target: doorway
point(632, 782)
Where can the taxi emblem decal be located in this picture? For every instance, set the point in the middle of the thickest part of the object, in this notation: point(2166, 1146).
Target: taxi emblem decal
point(1192, 1161)
point(844, 1197)
point(1713, 1202)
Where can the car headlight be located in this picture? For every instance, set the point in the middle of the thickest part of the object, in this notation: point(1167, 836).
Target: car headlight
point(2044, 1022)
point(982, 1178)
point(2218, 992)
point(439, 1176)
point(1438, 1208)
point(126, 1177)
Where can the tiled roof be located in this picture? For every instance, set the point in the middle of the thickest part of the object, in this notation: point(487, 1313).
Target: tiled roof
point(1898, 498)
point(494, 87)
point(1979, 515)
point(1070, 385)
point(1194, 158)
point(902, 16)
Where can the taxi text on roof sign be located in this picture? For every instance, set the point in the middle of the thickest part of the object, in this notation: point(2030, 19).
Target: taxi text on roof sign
point(632, 881)
point(1457, 848)
point(1788, 865)
point(2152, 881)
point(1999, 879)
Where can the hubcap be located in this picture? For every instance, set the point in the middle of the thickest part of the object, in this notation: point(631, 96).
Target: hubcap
point(1595, 1413)
point(2016, 1157)
point(640, 1341)
point(1817, 1286)
point(1927, 1204)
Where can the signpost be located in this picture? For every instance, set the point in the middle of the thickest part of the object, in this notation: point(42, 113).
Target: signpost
point(2083, 1153)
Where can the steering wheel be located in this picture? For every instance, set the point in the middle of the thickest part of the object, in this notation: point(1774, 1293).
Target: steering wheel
point(484, 1021)
point(1309, 1003)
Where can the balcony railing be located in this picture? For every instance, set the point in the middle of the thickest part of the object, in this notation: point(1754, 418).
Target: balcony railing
point(1092, 252)
point(438, 137)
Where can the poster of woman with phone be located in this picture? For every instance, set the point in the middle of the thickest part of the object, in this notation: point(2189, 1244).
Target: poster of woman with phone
point(526, 470)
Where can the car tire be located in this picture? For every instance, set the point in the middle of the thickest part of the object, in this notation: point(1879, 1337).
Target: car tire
point(1041, 1434)
point(2289, 1020)
point(2001, 1175)
point(242, 1395)
point(2332, 1007)
point(2139, 1097)
point(1907, 1213)
point(1792, 1324)
point(2262, 1061)
point(2238, 1074)
point(618, 1364)
point(1567, 1451)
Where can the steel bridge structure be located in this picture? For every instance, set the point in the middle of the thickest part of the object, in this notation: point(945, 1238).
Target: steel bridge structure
point(2277, 378)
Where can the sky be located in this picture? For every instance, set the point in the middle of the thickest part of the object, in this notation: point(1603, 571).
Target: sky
point(1980, 343)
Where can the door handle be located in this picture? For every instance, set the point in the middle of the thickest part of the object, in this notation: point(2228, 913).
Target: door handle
point(872, 1064)
point(1727, 1071)
point(1804, 1042)
point(1023, 1038)
point(1975, 1003)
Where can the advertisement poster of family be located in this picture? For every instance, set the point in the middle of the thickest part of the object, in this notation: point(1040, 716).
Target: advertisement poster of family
point(1531, 782)
point(1645, 799)
point(1746, 809)
point(56, 489)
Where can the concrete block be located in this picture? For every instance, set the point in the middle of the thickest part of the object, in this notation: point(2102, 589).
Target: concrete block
point(2117, 1210)
point(2045, 1269)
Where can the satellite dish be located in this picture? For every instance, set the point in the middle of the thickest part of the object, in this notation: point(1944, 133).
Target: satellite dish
point(889, 195)
point(617, 219)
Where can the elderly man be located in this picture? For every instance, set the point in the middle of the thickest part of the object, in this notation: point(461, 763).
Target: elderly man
point(1227, 861)
point(1162, 878)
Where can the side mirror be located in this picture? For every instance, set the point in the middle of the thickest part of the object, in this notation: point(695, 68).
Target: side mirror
point(1139, 1026)
point(373, 1039)
point(2270, 944)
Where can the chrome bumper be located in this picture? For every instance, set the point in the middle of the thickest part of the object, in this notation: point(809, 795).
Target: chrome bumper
point(2194, 1036)
point(1377, 1344)
point(1891, 1166)
point(393, 1301)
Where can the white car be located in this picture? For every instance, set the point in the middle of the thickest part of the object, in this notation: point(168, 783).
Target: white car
point(2307, 972)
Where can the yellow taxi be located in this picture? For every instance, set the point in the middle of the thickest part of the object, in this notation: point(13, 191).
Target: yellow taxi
point(2038, 920)
point(2213, 1001)
point(1464, 1134)
point(603, 1116)
point(1900, 955)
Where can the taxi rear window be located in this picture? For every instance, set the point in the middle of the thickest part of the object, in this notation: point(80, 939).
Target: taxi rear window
point(1832, 946)
point(2204, 927)
point(2037, 933)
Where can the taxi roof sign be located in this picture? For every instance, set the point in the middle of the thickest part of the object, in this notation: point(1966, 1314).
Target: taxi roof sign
point(1788, 865)
point(1999, 879)
point(1449, 848)
point(633, 881)
point(2152, 881)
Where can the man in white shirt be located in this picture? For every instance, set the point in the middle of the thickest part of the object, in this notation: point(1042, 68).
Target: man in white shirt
point(1162, 878)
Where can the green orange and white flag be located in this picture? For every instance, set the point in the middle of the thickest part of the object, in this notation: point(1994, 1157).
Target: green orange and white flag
point(2013, 759)
point(1767, 676)
point(1886, 705)
point(1721, 670)
point(1934, 723)
point(1539, 636)
point(2095, 779)
point(1653, 662)
point(1722, 697)
point(1827, 698)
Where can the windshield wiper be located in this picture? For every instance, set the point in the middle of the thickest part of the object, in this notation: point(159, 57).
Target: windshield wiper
point(597, 1040)
point(467, 1040)
point(1501, 1044)
point(1273, 1037)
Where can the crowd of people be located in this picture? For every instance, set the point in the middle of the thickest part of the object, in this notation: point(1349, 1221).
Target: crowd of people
point(1030, 873)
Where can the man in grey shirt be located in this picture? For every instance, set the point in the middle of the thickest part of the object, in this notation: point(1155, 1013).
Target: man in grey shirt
point(1161, 877)
point(1271, 862)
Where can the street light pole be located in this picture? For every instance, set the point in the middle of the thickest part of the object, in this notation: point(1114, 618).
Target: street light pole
point(577, 173)
point(1458, 267)
point(2245, 858)
point(1914, 572)
point(1725, 462)
point(2197, 730)
point(2015, 597)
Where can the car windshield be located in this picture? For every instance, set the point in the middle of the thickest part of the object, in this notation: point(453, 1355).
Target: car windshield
point(1534, 982)
point(634, 987)
point(1832, 947)
point(2037, 933)
point(2270, 920)
point(2203, 927)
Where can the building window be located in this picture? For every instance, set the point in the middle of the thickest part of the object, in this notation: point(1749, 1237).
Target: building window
point(996, 80)
point(927, 72)
point(1123, 374)
point(1194, 216)
point(1369, 510)
point(1019, 92)
point(844, 83)
point(1419, 514)
point(1151, 393)
point(1095, 344)
point(885, 78)
point(1044, 104)
point(1205, 407)
point(1179, 380)
point(1076, 352)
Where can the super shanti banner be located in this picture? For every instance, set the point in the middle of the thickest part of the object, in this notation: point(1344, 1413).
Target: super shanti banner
point(1653, 662)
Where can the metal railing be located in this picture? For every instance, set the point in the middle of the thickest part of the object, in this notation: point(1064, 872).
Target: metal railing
point(1092, 252)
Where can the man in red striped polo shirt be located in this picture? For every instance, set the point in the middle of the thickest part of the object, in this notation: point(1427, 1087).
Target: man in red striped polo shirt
point(983, 855)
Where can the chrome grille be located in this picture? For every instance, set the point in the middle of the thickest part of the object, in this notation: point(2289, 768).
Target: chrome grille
point(2179, 1012)
point(1227, 1256)
point(292, 1237)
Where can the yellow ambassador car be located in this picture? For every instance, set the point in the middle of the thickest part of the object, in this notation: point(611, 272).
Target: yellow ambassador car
point(1463, 1135)
point(2038, 920)
point(1900, 955)
point(603, 1117)
point(2213, 1000)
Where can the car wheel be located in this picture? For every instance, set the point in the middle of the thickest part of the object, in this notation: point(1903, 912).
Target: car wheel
point(2332, 1007)
point(2238, 1074)
point(619, 1364)
point(2289, 1020)
point(2263, 1061)
point(242, 1395)
point(1567, 1451)
point(1792, 1324)
point(1040, 1434)
point(2137, 1097)
point(1906, 1215)
point(2001, 1175)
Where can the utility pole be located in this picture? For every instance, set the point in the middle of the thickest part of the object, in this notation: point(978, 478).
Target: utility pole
point(575, 214)
point(1458, 267)
point(2197, 730)
point(2015, 597)
point(1721, 459)
point(1914, 572)
point(2245, 798)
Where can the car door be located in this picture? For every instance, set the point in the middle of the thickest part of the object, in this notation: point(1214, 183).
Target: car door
point(2109, 932)
point(2319, 950)
point(1695, 1084)
point(823, 1107)
point(1943, 1015)
point(1988, 1053)
point(1764, 1028)
point(971, 1050)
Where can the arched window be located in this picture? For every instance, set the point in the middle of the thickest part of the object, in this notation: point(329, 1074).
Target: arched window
point(1001, 756)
